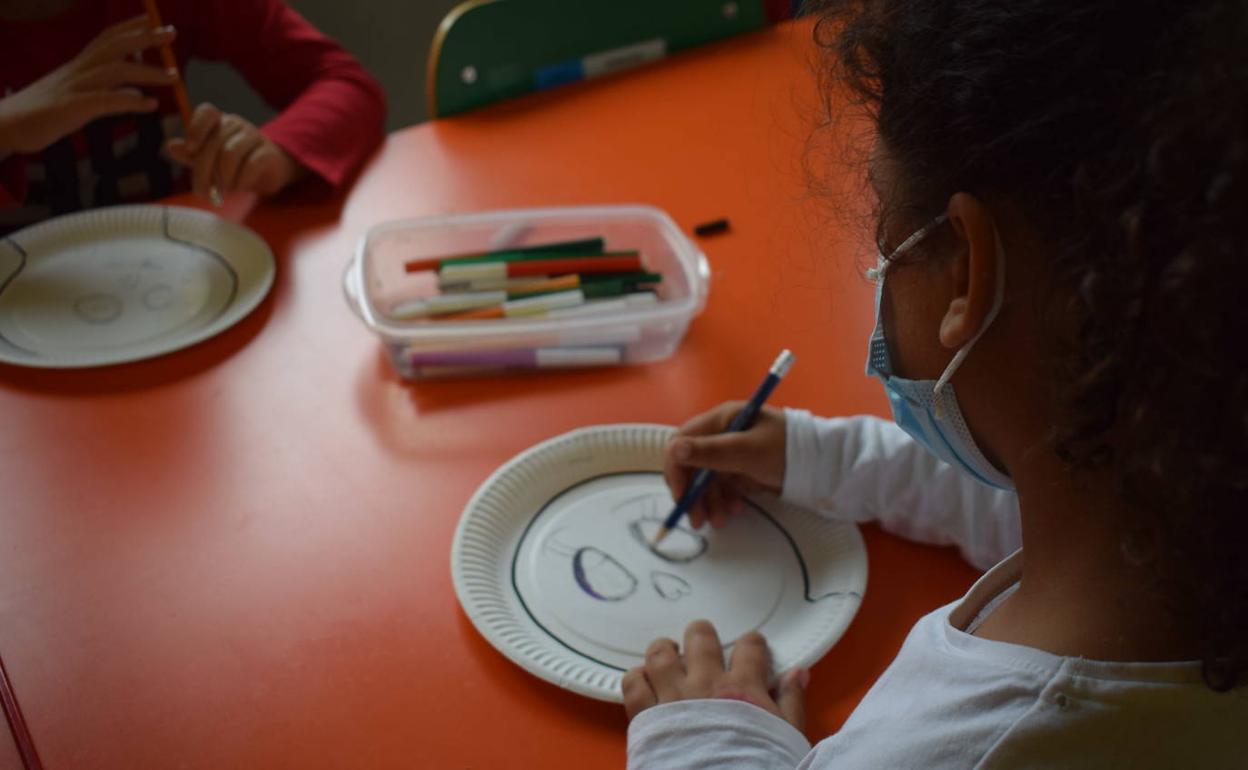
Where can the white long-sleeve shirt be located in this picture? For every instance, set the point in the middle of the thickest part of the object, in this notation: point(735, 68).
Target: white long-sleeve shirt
point(951, 699)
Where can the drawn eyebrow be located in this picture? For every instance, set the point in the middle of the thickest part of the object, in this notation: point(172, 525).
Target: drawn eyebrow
point(647, 502)
point(555, 545)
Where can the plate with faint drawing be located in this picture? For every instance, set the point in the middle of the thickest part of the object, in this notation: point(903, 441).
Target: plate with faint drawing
point(125, 283)
point(551, 562)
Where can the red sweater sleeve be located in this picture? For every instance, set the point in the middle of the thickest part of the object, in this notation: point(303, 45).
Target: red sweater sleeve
point(331, 109)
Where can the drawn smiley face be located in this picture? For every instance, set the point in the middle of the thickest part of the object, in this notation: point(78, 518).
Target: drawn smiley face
point(138, 285)
point(589, 576)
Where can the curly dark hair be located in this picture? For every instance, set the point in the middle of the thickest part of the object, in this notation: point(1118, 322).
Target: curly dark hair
point(1120, 131)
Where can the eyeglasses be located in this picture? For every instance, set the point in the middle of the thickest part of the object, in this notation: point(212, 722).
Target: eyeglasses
point(877, 272)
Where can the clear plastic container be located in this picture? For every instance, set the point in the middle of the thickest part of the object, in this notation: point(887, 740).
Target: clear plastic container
point(376, 280)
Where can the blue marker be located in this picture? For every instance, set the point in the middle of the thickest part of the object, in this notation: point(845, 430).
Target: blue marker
point(744, 419)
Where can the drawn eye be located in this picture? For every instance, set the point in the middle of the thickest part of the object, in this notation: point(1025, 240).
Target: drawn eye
point(98, 308)
point(601, 576)
point(680, 546)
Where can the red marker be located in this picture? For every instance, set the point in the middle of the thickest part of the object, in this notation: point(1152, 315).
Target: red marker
point(584, 265)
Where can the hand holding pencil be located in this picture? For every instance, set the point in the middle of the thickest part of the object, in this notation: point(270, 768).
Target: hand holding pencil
point(224, 152)
point(713, 460)
point(103, 79)
point(227, 153)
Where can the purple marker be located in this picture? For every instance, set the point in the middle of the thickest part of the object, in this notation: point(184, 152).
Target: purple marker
point(527, 358)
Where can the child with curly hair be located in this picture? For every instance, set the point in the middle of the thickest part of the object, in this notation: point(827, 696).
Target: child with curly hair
point(1063, 190)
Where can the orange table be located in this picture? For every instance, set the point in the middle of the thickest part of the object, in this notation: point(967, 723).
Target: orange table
point(238, 555)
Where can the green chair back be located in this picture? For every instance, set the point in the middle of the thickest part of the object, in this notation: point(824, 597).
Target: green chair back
point(489, 50)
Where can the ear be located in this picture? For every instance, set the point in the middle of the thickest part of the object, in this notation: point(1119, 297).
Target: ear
point(973, 270)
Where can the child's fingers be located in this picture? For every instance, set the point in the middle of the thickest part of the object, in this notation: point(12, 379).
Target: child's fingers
point(129, 26)
point(713, 420)
point(208, 154)
point(704, 656)
point(697, 517)
point(718, 518)
point(124, 73)
point(677, 471)
point(126, 43)
point(751, 660)
point(204, 163)
point(264, 172)
point(255, 175)
point(725, 498)
point(745, 486)
point(637, 692)
point(791, 697)
point(716, 503)
point(235, 153)
point(664, 669)
point(176, 150)
point(674, 473)
point(204, 121)
point(724, 452)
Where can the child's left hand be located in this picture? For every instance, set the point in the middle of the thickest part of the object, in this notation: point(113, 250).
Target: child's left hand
point(667, 676)
point(230, 153)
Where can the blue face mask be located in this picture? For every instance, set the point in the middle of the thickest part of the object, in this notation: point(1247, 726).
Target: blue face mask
point(928, 409)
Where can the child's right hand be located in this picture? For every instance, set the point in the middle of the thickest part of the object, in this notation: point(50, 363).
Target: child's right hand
point(744, 462)
point(98, 81)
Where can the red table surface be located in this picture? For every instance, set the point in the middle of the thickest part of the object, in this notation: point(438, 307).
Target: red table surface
point(237, 555)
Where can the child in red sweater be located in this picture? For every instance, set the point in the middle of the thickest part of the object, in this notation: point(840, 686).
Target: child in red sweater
point(88, 117)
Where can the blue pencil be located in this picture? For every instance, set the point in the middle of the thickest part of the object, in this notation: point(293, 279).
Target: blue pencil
point(744, 419)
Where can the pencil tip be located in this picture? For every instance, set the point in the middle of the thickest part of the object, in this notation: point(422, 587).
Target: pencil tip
point(658, 537)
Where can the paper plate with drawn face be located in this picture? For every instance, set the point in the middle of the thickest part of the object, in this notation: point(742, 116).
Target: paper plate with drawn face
point(551, 562)
point(125, 283)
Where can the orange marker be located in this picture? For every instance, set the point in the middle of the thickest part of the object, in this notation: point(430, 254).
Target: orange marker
point(171, 63)
point(562, 283)
point(179, 89)
point(475, 315)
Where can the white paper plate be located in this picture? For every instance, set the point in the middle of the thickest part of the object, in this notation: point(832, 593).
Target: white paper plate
point(549, 562)
point(125, 283)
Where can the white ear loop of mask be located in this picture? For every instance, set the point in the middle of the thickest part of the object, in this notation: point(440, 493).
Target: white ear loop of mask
point(877, 273)
point(998, 299)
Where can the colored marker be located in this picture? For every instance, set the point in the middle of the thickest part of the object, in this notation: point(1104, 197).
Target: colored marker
point(593, 290)
point(527, 358)
point(535, 256)
point(616, 336)
point(584, 246)
point(742, 421)
point(170, 61)
point(603, 306)
point(441, 304)
point(714, 227)
point(640, 276)
point(507, 284)
point(458, 302)
point(519, 269)
point(526, 284)
point(515, 308)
